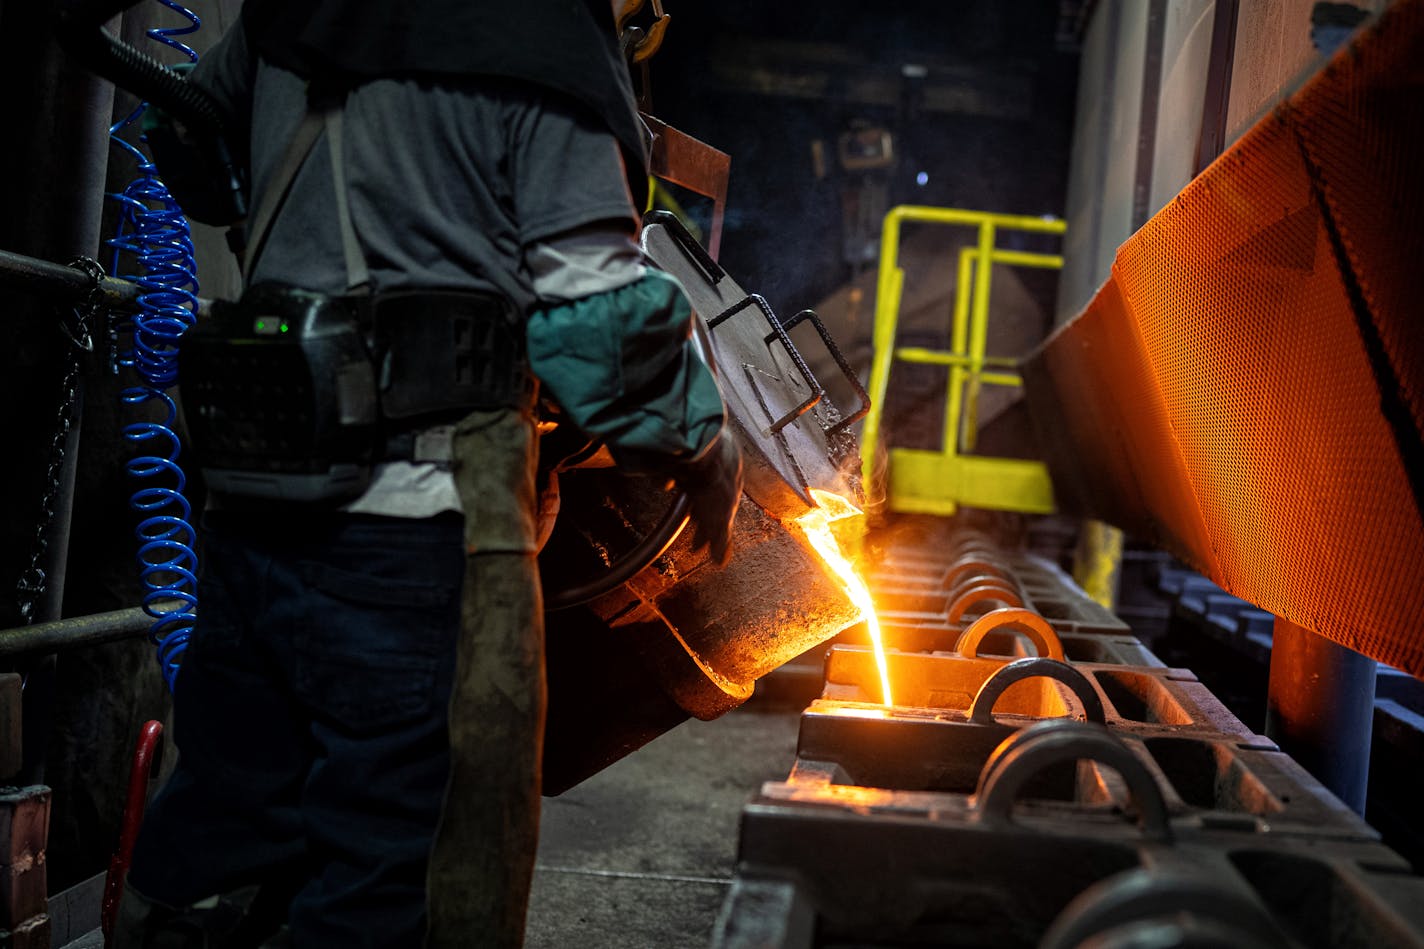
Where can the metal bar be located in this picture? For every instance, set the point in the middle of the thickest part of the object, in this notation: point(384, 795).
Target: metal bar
point(1001, 379)
point(979, 303)
point(838, 357)
point(694, 165)
point(778, 333)
point(963, 283)
point(938, 357)
point(1021, 258)
point(1005, 222)
point(959, 332)
point(687, 244)
point(74, 632)
point(69, 284)
point(978, 332)
point(64, 207)
point(1211, 141)
point(1320, 708)
point(19, 272)
point(958, 363)
point(889, 284)
point(1147, 114)
point(959, 344)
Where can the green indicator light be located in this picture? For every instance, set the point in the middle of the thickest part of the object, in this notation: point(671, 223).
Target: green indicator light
point(261, 326)
point(283, 328)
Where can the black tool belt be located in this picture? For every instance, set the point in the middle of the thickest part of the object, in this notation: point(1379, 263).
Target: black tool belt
point(291, 395)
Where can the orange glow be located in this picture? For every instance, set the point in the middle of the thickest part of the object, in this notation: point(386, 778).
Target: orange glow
point(816, 524)
point(852, 711)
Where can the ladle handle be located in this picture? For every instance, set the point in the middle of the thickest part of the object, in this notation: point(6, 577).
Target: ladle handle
point(973, 564)
point(981, 710)
point(1177, 893)
point(815, 392)
point(1025, 754)
point(1033, 626)
point(997, 591)
point(851, 377)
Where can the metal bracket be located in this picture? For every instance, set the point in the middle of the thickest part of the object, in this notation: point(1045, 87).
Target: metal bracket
point(686, 243)
point(841, 363)
point(778, 333)
point(1045, 743)
point(981, 710)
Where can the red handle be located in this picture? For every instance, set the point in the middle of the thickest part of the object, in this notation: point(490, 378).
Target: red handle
point(145, 763)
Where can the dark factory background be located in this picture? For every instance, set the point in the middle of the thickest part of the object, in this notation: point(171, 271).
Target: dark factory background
point(976, 100)
point(1097, 113)
point(832, 117)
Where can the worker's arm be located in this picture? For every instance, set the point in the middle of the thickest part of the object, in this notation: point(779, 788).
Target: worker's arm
point(619, 360)
point(612, 345)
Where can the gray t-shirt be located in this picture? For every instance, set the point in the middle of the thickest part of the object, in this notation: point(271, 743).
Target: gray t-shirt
point(480, 184)
point(450, 185)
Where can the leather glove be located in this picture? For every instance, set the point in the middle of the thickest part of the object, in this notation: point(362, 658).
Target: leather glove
point(712, 482)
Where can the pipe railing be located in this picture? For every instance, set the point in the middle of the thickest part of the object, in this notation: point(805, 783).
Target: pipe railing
point(74, 632)
point(68, 284)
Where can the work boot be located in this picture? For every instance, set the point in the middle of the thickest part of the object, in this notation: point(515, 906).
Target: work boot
point(212, 923)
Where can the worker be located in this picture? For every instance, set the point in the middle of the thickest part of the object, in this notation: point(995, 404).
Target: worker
point(464, 161)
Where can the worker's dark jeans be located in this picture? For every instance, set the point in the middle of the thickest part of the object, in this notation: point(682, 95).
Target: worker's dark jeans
point(310, 717)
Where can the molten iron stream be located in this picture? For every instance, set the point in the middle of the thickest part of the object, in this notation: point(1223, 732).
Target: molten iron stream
point(816, 524)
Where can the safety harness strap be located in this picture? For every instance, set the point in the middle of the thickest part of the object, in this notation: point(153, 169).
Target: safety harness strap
point(280, 186)
point(356, 273)
point(275, 195)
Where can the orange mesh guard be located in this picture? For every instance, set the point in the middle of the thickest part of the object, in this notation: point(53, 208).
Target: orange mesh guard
point(1247, 389)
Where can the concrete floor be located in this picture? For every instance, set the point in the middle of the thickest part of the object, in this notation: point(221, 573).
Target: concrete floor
point(641, 855)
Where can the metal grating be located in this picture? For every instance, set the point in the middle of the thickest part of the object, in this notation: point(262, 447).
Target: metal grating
point(1248, 388)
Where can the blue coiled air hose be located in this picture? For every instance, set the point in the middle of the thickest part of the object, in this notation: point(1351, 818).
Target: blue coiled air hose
point(153, 229)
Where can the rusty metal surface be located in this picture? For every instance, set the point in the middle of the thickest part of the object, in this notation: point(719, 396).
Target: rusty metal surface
point(892, 868)
point(880, 866)
point(916, 869)
point(771, 602)
point(1134, 697)
point(678, 157)
point(978, 812)
point(683, 638)
point(1224, 781)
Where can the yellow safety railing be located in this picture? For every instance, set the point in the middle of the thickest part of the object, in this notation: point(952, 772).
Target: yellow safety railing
point(938, 482)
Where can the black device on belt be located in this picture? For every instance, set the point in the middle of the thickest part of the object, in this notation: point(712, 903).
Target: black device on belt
point(291, 395)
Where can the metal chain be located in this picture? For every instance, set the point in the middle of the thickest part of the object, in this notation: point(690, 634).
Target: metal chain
point(76, 324)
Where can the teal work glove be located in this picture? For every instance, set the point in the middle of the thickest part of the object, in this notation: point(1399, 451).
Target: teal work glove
point(622, 366)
